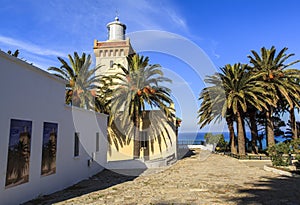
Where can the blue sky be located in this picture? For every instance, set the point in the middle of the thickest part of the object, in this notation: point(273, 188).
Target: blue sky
point(223, 30)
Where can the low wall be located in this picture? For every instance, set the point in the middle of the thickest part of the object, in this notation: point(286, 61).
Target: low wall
point(208, 147)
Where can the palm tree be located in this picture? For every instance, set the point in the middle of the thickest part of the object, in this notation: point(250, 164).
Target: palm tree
point(251, 114)
point(212, 101)
point(241, 90)
point(18, 162)
point(81, 80)
point(104, 94)
point(136, 88)
point(277, 80)
point(292, 78)
point(284, 107)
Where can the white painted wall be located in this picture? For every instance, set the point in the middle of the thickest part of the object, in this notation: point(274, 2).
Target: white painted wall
point(28, 93)
point(209, 147)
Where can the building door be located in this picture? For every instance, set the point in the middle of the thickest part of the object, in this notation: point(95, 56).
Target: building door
point(145, 145)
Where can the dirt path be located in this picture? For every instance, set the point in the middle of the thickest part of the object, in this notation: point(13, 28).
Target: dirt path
point(198, 179)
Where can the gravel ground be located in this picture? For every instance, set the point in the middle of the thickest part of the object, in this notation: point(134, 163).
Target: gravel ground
point(201, 178)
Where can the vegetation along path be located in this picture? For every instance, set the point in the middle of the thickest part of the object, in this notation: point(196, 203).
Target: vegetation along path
point(199, 179)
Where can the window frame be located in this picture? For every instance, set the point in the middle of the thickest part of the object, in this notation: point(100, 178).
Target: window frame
point(97, 141)
point(76, 145)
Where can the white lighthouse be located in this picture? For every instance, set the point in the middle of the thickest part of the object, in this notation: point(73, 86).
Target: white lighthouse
point(114, 50)
point(116, 30)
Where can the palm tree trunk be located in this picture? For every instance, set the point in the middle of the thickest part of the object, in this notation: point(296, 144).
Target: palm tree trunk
point(136, 145)
point(293, 124)
point(231, 134)
point(260, 143)
point(254, 133)
point(245, 136)
point(241, 135)
point(270, 128)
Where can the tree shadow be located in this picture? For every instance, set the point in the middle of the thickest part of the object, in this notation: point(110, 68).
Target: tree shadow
point(100, 181)
point(116, 137)
point(185, 153)
point(279, 190)
point(160, 130)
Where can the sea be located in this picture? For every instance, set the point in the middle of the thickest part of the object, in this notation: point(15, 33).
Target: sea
point(197, 137)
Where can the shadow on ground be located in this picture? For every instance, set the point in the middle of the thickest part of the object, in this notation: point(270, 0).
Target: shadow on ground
point(280, 190)
point(100, 181)
point(184, 153)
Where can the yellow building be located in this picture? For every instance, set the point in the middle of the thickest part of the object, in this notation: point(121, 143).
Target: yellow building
point(158, 138)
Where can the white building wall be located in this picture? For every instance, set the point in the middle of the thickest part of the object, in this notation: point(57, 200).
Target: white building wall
point(28, 93)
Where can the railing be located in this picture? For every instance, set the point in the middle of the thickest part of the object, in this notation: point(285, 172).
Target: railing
point(249, 157)
point(191, 142)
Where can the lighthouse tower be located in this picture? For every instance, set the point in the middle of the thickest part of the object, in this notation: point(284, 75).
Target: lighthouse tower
point(114, 50)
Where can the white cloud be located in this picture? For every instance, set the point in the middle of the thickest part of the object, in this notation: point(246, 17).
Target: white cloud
point(149, 15)
point(42, 62)
point(66, 27)
point(178, 20)
point(31, 48)
point(33, 54)
point(214, 48)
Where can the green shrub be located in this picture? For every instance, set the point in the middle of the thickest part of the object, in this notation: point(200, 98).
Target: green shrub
point(222, 144)
point(217, 139)
point(277, 151)
point(212, 139)
point(295, 144)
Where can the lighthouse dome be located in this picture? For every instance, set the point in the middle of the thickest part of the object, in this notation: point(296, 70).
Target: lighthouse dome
point(116, 30)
